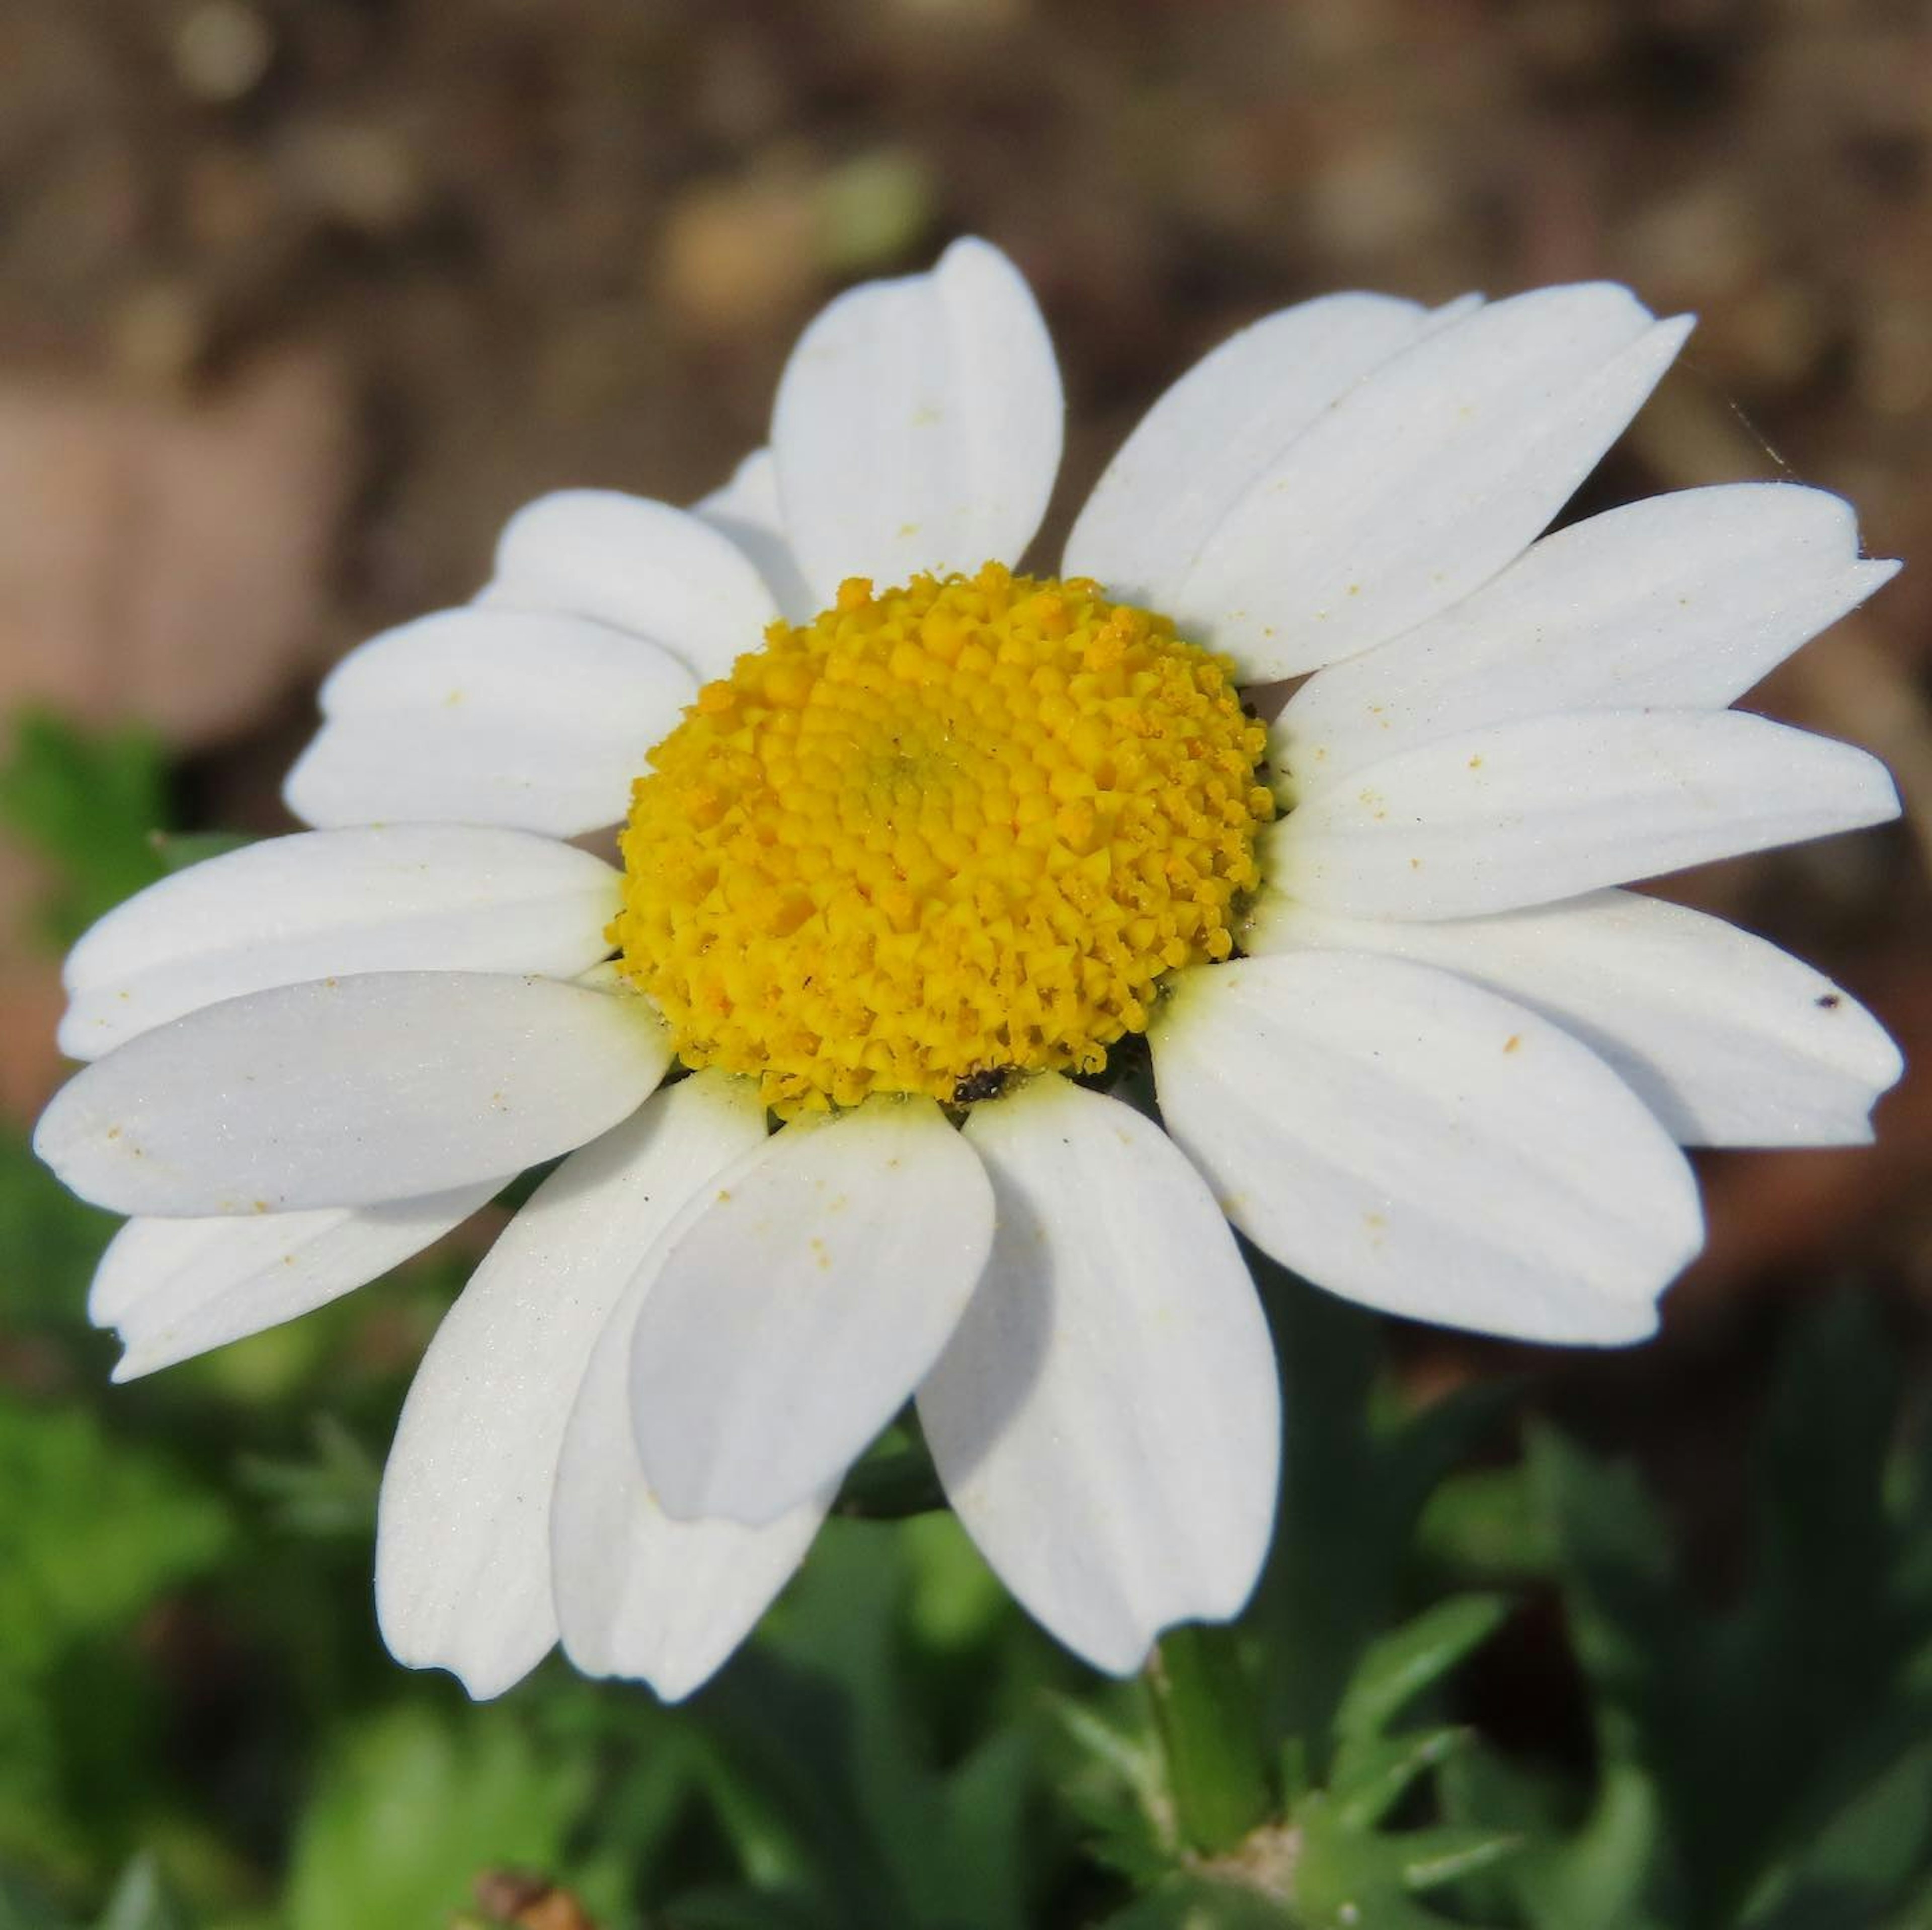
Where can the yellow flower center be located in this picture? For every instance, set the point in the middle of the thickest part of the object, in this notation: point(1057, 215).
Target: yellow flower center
point(937, 837)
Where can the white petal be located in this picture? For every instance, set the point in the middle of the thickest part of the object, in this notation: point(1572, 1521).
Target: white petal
point(346, 1092)
point(488, 717)
point(1424, 480)
point(463, 1578)
point(746, 509)
point(1199, 450)
point(790, 1321)
point(1526, 812)
point(641, 566)
point(175, 1288)
point(443, 897)
point(918, 425)
point(1679, 602)
point(1728, 1040)
point(1408, 1139)
point(638, 1594)
point(1106, 1419)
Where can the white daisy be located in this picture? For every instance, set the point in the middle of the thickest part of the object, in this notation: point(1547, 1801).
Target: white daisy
point(900, 876)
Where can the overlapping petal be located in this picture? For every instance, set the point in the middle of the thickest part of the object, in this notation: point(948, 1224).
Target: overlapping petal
point(414, 897)
point(463, 1539)
point(1205, 443)
point(349, 1092)
point(790, 1321)
point(1547, 808)
point(1106, 1419)
point(538, 722)
point(176, 1288)
point(1408, 1140)
point(747, 510)
point(1728, 1040)
point(1677, 602)
point(638, 1593)
point(918, 425)
point(1423, 481)
point(643, 567)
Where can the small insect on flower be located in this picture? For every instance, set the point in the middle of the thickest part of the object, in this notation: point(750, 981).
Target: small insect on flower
point(918, 850)
point(989, 1084)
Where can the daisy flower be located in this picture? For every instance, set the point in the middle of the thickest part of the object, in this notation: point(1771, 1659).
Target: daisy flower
point(914, 848)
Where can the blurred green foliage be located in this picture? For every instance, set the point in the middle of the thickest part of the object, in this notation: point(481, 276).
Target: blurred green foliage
point(198, 1730)
point(90, 807)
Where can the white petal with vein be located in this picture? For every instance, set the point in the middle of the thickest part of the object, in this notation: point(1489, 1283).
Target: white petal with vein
point(175, 1288)
point(1200, 448)
point(791, 1320)
point(1424, 480)
point(1730, 1040)
point(1106, 1419)
point(747, 510)
point(488, 717)
point(1406, 1139)
point(1680, 602)
point(1525, 813)
point(642, 567)
point(347, 1092)
point(412, 898)
point(463, 1578)
point(918, 425)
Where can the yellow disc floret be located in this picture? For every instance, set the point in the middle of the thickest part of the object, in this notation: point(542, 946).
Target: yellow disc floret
point(938, 836)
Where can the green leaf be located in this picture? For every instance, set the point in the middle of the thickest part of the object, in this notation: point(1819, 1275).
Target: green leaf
point(1620, 1580)
point(1759, 1758)
point(415, 1803)
point(1483, 1525)
point(1616, 1873)
point(1432, 1858)
point(1201, 1903)
point(68, 1571)
point(50, 1243)
point(1357, 1469)
point(1373, 1774)
point(954, 1603)
point(1871, 1848)
point(1398, 1668)
point(738, 1909)
point(1116, 1786)
point(820, 1729)
point(332, 1493)
point(86, 803)
point(1349, 1879)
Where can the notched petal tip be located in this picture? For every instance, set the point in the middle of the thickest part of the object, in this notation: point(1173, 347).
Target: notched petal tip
point(484, 1677)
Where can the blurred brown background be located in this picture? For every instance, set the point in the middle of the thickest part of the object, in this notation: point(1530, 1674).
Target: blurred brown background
point(299, 299)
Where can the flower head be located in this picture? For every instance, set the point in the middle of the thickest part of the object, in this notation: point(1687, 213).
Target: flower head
point(912, 844)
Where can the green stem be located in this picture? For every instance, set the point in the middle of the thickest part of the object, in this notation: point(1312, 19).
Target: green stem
point(1205, 1709)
